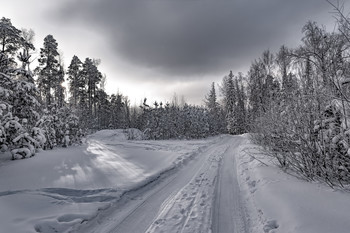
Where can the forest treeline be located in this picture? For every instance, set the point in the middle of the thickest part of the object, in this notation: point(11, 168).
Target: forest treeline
point(299, 103)
point(37, 111)
point(294, 101)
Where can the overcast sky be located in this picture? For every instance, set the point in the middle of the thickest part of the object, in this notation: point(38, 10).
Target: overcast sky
point(153, 48)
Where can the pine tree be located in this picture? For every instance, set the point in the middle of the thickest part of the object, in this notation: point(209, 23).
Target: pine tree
point(103, 109)
point(48, 69)
point(92, 77)
point(240, 109)
point(117, 111)
point(214, 113)
point(76, 84)
point(228, 92)
point(126, 111)
point(18, 99)
point(59, 89)
point(10, 39)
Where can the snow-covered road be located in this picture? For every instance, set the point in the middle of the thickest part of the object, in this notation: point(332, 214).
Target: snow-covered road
point(200, 196)
point(111, 184)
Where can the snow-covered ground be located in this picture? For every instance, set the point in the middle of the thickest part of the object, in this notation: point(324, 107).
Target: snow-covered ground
point(281, 203)
point(56, 189)
point(111, 184)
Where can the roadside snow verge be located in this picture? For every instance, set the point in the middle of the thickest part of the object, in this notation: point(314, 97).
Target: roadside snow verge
point(281, 203)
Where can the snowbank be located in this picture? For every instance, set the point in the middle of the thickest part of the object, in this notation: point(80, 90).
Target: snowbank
point(57, 189)
point(118, 134)
point(281, 203)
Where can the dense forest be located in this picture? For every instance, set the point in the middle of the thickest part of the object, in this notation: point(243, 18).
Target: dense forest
point(295, 102)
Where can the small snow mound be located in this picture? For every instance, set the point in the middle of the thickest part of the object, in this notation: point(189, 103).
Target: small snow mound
point(74, 217)
point(118, 135)
point(110, 135)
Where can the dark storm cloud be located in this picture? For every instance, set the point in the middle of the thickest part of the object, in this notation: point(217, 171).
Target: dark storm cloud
point(189, 37)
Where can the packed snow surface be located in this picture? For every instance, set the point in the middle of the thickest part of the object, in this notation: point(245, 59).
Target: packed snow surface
point(111, 184)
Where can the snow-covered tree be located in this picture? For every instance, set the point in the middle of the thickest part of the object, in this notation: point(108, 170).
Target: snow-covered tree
point(48, 70)
point(59, 88)
point(76, 84)
point(229, 101)
point(92, 76)
point(215, 113)
point(18, 95)
point(10, 39)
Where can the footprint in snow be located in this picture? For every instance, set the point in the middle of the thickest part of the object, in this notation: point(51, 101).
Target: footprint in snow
point(253, 190)
point(270, 226)
point(159, 221)
point(252, 184)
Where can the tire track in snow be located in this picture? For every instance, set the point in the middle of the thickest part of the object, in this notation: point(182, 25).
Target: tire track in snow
point(136, 209)
point(228, 213)
point(190, 209)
